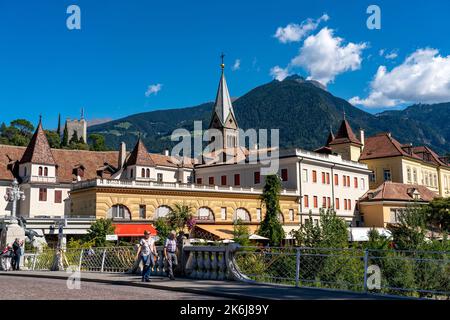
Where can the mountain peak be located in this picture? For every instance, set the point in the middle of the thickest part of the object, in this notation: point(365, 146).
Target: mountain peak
point(300, 79)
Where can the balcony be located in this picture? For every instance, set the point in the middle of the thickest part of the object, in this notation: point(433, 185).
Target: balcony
point(41, 179)
point(152, 185)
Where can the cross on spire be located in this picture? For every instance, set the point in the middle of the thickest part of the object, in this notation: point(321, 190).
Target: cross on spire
point(221, 57)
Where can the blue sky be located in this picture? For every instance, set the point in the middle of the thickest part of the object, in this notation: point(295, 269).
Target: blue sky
point(123, 47)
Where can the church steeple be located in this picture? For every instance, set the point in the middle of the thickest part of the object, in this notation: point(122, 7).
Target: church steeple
point(223, 114)
point(38, 150)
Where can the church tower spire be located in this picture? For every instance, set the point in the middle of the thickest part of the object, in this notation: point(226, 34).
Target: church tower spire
point(223, 113)
point(223, 118)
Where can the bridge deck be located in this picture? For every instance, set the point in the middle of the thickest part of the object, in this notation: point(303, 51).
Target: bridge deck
point(225, 289)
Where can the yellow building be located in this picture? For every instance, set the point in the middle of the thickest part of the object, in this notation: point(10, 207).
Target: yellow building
point(389, 160)
point(215, 208)
point(382, 205)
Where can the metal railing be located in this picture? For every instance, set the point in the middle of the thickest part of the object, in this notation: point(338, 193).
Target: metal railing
point(410, 273)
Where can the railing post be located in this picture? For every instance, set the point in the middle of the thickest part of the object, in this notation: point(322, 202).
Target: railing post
point(297, 267)
point(366, 262)
point(34, 261)
point(81, 258)
point(103, 260)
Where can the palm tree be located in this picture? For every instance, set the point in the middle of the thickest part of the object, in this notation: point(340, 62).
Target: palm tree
point(180, 217)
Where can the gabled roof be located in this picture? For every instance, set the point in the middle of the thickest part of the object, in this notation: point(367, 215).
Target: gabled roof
point(223, 108)
point(330, 137)
point(345, 135)
point(140, 156)
point(38, 150)
point(394, 191)
point(67, 160)
point(434, 157)
point(384, 145)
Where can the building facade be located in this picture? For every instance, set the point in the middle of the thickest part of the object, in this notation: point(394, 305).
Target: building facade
point(389, 160)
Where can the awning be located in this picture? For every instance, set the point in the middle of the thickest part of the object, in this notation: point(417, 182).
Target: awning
point(362, 234)
point(257, 237)
point(133, 229)
point(223, 231)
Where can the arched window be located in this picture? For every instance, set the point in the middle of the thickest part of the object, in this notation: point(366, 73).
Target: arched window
point(143, 173)
point(119, 211)
point(148, 173)
point(40, 171)
point(45, 171)
point(242, 214)
point(205, 214)
point(161, 212)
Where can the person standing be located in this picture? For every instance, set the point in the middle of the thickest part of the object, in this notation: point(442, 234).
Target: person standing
point(170, 253)
point(147, 253)
point(17, 249)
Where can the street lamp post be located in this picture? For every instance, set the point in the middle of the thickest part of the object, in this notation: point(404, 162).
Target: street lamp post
point(14, 194)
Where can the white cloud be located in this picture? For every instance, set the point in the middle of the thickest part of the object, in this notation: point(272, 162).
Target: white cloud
point(153, 89)
point(279, 73)
point(390, 56)
point(237, 65)
point(325, 56)
point(424, 77)
point(296, 32)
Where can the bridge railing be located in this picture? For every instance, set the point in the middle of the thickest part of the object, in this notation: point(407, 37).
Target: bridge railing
point(410, 273)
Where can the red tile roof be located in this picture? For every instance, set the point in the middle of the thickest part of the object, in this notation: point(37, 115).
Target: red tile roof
point(38, 150)
point(384, 145)
point(140, 156)
point(398, 192)
point(345, 135)
point(67, 160)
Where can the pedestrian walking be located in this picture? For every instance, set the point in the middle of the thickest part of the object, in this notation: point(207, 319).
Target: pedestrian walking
point(147, 253)
point(170, 253)
point(17, 249)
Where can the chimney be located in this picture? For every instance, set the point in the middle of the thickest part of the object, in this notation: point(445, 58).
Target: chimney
point(361, 136)
point(166, 152)
point(122, 154)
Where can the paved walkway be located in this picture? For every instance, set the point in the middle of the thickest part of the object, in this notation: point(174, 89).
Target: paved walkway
point(224, 289)
point(28, 288)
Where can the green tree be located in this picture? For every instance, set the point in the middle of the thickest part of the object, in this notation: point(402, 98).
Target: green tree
point(58, 130)
point(409, 232)
point(74, 139)
point(163, 228)
point(53, 139)
point(98, 231)
point(97, 142)
point(437, 213)
point(25, 127)
point(65, 138)
point(241, 233)
point(180, 217)
point(271, 227)
point(331, 232)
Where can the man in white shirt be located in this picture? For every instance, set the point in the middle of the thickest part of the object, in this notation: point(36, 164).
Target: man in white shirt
point(147, 253)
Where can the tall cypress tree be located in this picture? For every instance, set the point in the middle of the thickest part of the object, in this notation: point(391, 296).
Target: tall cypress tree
point(271, 226)
point(58, 131)
point(65, 139)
